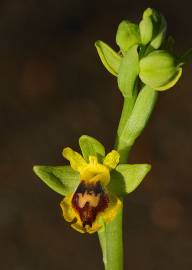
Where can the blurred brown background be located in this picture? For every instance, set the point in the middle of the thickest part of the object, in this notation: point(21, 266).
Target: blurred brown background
point(53, 89)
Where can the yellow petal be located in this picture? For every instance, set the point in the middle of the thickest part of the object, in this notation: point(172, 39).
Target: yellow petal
point(76, 160)
point(112, 159)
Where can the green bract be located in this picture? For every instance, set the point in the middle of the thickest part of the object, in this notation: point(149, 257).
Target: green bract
point(127, 35)
point(159, 70)
point(64, 180)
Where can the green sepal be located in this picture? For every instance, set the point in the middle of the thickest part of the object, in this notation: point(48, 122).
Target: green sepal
point(128, 72)
point(127, 35)
point(91, 147)
point(62, 179)
point(159, 70)
point(110, 59)
point(139, 116)
point(126, 178)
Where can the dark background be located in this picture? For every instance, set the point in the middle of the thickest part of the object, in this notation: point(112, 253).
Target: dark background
point(53, 89)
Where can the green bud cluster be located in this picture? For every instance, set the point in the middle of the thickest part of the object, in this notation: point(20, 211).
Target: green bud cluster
point(144, 65)
point(144, 55)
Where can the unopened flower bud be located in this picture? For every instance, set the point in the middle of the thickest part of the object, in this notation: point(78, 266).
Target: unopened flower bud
point(127, 35)
point(152, 28)
point(146, 26)
point(159, 70)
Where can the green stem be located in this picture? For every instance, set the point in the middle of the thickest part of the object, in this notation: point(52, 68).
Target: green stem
point(126, 112)
point(111, 238)
point(111, 241)
point(135, 114)
point(103, 244)
point(115, 246)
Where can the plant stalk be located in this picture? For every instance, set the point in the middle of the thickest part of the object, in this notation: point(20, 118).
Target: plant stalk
point(111, 238)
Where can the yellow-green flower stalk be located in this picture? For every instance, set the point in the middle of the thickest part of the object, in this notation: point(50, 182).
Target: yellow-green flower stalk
point(95, 184)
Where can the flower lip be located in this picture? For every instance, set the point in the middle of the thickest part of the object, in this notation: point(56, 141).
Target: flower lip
point(91, 201)
point(88, 201)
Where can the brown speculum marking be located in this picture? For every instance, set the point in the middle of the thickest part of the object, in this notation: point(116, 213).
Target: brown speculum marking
point(89, 200)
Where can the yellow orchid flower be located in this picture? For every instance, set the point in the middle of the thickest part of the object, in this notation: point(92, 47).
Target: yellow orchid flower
point(92, 185)
point(91, 203)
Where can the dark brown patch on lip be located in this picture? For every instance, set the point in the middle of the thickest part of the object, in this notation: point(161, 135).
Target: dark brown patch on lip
point(89, 200)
